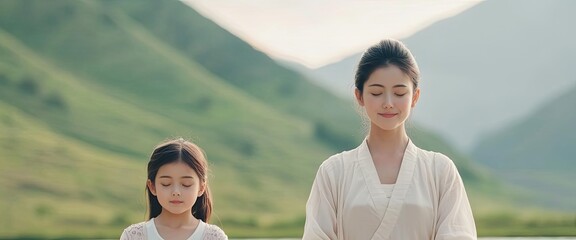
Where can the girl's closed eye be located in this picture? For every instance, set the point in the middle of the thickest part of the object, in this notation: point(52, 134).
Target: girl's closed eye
point(400, 94)
point(376, 94)
point(165, 184)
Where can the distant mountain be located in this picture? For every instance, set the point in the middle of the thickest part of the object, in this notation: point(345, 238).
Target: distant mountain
point(339, 81)
point(486, 67)
point(87, 88)
point(538, 152)
point(238, 63)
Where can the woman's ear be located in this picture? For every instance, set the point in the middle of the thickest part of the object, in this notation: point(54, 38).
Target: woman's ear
point(415, 97)
point(358, 95)
point(151, 187)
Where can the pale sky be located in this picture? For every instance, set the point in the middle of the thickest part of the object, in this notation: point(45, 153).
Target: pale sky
point(319, 32)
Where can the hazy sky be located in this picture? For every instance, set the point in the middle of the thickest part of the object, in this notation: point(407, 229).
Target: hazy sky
point(318, 32)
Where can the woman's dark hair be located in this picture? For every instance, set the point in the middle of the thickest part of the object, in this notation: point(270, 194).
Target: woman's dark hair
point(386, 52)
point(180, 150)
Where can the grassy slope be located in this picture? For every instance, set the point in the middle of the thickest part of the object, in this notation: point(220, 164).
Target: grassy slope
point(129, 124)
point(237, 63)
point(50, 181)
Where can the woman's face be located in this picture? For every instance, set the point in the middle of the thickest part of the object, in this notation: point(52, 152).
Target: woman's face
point(388, 97)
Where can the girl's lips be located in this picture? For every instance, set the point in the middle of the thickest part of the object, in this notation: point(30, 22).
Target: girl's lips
point(176, 202)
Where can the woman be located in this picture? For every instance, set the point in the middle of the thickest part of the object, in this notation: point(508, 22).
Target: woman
point(388, 188)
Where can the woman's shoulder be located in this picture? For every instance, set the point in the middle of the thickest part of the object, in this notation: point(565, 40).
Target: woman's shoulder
point(340, 160)
point(436, 160)
point(134, 231)
point(433, 156)
point(214, 232)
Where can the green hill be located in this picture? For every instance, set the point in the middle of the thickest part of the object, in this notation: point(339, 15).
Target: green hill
point(87, 88)
point(537, 152)
point(159, 94)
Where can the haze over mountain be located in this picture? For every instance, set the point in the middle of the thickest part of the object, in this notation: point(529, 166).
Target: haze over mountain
point(485, 68)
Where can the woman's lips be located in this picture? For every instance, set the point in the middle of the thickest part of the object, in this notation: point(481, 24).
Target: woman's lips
point(388, 115)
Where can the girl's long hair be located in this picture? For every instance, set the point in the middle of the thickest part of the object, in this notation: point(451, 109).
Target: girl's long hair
point(189, 153)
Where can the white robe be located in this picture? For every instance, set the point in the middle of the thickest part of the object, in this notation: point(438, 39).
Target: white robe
point(428, 200)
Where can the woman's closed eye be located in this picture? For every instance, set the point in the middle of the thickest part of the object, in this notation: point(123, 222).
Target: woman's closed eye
point(397, 94)
point(400, 93)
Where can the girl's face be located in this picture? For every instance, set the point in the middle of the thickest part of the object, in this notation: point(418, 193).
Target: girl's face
point(177, 187)
point(388, 97)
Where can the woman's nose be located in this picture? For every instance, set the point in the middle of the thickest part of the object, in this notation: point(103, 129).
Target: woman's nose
point(387, 105)
point(387, 101)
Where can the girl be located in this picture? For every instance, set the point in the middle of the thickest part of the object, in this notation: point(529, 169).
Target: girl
point(179, 202)
point(388, 188)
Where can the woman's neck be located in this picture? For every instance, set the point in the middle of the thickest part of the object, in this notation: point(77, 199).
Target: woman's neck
point(387, 141)
point(171, 220)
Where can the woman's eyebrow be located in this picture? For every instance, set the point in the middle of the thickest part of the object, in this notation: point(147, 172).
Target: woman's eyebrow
point(380, 85)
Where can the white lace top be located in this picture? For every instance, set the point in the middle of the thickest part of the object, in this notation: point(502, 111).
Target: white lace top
point(147, 231)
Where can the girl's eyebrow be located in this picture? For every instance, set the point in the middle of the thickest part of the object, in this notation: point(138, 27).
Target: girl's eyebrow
point(171, 177)
point(380, 85)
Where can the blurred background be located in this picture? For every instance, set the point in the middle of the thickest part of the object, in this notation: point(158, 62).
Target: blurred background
point(88, 88)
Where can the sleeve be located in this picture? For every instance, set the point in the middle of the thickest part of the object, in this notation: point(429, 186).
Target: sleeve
point(321, 207)
point(454, 219)
point(125, 235)
point(133, 232)
point(213, 232)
